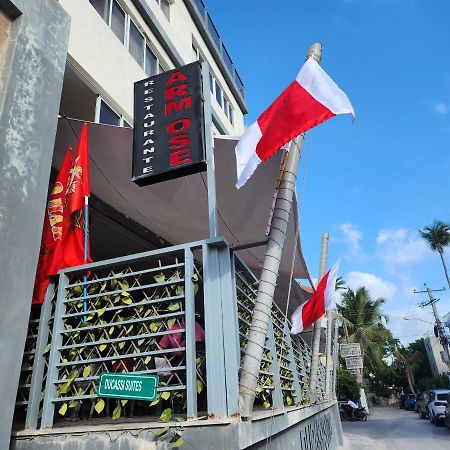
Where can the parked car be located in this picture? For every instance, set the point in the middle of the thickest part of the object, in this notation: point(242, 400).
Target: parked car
point(401, 401)
point(421, 404)
point(437, 404)
point(410, 402)
point(447, 412)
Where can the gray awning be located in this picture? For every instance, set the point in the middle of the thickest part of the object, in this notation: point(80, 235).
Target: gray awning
point(177, 210)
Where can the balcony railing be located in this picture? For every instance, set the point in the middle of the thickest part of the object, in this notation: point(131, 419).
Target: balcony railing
point(209, 25)
point(144, 314)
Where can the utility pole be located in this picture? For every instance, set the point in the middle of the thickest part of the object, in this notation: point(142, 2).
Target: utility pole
point(439, 327)
point(248, 381)
point(318, 324)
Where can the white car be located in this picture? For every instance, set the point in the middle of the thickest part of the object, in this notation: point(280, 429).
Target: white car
point(436, 405)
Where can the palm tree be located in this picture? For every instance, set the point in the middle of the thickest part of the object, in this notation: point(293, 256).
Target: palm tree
point(365, 323)
point(408, 358)
point(437, 236)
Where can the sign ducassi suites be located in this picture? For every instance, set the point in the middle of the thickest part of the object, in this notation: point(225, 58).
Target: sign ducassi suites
point(168, 139)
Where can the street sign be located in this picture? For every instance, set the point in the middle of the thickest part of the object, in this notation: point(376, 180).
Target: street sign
point(353, 349)
point(128, 385)
point(354, 362)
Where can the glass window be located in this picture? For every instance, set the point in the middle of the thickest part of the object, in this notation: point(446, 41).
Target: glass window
point(151, 62)
point(230, 116)
point(211, 82)
point(218, 94)
point(117, 22)
point(165, 6)
point(107, 115)
point(102, 7)
point(442, 396)
point(136, 44)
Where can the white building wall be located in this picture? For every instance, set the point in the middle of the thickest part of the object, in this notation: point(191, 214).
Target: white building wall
point(108, 67)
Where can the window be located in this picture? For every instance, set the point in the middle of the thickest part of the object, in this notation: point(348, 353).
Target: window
point(218, 94)
point(211, 83)
point(165, 6)
point(151, 62)
point(107, 115)
point(102, 7)
point(117, 21)
point(136, 44)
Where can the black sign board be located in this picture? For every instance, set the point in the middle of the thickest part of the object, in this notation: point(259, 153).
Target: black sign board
point(168, 139)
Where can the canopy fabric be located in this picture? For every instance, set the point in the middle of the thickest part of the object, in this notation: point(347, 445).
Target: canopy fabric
point(177, 210)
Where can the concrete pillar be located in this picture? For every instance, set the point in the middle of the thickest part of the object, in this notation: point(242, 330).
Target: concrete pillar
point(34, 37)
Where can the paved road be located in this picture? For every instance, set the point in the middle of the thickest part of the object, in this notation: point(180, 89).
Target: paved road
point(392, 428)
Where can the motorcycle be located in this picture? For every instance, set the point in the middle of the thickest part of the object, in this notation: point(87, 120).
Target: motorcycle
point(346, 412)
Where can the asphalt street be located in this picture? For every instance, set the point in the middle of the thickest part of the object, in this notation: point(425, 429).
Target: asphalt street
point(392, 428)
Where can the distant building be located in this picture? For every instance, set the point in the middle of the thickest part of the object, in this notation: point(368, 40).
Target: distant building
point(434, 348)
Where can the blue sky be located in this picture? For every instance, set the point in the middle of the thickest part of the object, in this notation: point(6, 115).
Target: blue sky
point(370, 184)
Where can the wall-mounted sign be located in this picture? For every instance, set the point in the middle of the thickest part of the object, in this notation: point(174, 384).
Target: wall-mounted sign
point(168, 140)
point(128, 385)
point(353, 349)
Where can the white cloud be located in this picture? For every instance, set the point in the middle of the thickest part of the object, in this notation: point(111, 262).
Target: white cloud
point(401, 247)
point(351, 236)
point(375, 285)
point(419, 323)
point(441, 108)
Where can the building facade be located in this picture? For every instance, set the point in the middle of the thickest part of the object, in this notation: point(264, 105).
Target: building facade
point(72, 61)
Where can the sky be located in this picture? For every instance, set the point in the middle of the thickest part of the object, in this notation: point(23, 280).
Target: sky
point(373, 183)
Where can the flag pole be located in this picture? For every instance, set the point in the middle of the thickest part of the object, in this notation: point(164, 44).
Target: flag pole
point(85, 256)
point(248, 381)
point(318, 324)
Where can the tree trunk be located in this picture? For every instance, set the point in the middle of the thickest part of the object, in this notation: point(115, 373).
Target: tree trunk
point(441, 254)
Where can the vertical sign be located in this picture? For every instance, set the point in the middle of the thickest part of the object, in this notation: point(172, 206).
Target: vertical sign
point(168, 140)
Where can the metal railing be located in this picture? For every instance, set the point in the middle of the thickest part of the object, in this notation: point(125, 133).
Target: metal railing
point(284, 374)
point(212, 30)
point(138, 314)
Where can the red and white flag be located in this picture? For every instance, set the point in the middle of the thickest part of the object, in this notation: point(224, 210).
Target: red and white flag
point(309, 100)
point(324, 299)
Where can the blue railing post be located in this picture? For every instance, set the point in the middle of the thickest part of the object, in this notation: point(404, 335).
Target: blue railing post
point(52, 370)
point(215, 354)
point(191, 372)
point(34, 398)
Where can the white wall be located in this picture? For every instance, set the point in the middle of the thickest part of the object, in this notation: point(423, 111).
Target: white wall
point(105, 63)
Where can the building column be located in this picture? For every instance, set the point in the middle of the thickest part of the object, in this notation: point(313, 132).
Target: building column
point(34, 39)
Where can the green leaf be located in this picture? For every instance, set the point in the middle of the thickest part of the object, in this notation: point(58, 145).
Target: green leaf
point(147, 359)
point(124, 402)
point(140, 341)
point(289, 401)
point(63, 409)
point(125, 294)
point(166, 415)
point(178, 443)
point(153, 327)
point(121, 345)
point(100, 405)
point(179, 290)
point(123, 284)
point(161, 431)
point(110, 331)
point(199, 386)
point(47, 349)
point(160, 278)
point(73, 374)
point(195, 288)
point(266, 405)
point(174, 306)
point(165, 395)
point(154, 402)
point(127, 301)
point(117, 412)
point(259, 389)
point(86, 371)
point(100, 312)
point(103, 287)
point(102, 347)
point(170, 323)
